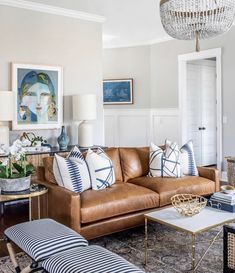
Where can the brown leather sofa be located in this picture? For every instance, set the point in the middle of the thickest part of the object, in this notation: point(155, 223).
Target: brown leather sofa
point(122, 206)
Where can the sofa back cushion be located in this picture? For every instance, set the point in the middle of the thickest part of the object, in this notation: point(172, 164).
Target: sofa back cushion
point(135, 162)
point(48, 166)
point(113, 154)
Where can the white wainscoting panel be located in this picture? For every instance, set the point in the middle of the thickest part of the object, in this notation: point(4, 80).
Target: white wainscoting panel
point(133, 130)
point(110, 130)
point(165, 124)
point(138, 127)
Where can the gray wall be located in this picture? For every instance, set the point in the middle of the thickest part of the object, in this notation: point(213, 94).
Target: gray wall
point(39, 38)
point(132, 62)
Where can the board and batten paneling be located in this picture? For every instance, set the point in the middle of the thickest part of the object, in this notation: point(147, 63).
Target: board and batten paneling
point(138, 127)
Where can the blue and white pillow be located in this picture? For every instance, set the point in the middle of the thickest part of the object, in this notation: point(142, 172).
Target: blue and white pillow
point(101, 169)
point(187, 158)
point(72, 172)
point(164, 163)
point(171, 161)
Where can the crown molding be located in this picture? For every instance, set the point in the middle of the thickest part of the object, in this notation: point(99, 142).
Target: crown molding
point(23, 4)
point(161, 40)
point(147, 43)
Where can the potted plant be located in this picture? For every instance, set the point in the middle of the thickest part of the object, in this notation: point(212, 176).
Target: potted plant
point(15, 171)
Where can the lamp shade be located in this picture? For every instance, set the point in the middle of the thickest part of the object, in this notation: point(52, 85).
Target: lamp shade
point(6, 106)
point(84, 107)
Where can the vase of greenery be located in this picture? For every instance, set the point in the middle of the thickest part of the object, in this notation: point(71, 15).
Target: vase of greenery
point(15, 171)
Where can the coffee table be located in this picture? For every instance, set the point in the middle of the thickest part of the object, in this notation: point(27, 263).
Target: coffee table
point(207, 219)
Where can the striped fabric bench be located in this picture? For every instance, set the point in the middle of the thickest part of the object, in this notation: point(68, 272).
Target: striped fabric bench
point(91, 259)
point(42, 239)
point(55, 248)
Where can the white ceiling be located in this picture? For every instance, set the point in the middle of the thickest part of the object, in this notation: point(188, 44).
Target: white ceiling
point(128, 22)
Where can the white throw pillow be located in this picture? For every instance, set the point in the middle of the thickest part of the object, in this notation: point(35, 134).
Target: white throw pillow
point(164, 163)
point(72, 172)
point(187, 159)
point(155, 161)
point(101, 169)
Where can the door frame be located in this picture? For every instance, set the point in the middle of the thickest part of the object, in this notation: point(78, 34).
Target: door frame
point(182, 70)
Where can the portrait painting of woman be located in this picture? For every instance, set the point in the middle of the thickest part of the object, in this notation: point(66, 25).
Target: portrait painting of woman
point(38, 97)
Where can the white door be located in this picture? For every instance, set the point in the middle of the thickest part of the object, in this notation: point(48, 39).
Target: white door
point(201, 110)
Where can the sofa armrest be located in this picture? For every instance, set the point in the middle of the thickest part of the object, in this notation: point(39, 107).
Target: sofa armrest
point(59, 204)
point(212, 174)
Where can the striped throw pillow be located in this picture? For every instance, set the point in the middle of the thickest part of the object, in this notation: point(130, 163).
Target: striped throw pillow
point(101, 169)
point(187, 158)
point(72, 172)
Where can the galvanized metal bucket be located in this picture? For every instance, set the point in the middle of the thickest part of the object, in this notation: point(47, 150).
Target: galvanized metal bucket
point(16, 185)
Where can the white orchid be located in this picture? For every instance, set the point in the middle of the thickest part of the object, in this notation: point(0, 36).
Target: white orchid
point(17, 143)
point(13, 150)
point(5, 162)
point(26, 142)
point(16, 152)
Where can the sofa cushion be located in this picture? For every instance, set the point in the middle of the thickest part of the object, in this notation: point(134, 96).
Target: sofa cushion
point(168, 187)
point(48, 166)
point(134, 162)
point(113, 154)
point(116, 200)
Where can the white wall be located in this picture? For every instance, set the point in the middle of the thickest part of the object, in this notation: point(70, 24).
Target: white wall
point(40, 38)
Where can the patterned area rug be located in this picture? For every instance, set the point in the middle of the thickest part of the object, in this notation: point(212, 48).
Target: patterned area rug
point(169, 251)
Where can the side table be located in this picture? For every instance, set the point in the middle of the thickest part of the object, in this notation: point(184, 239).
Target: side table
point(36, 190)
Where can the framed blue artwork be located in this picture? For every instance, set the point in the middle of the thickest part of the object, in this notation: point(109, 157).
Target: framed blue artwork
point(118, 91)
point(38, 96)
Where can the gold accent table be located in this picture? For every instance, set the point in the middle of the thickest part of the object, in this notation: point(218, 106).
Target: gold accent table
point(207, 219)
point(36, 190)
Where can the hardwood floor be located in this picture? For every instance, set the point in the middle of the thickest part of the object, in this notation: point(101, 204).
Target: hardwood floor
point(13, 214)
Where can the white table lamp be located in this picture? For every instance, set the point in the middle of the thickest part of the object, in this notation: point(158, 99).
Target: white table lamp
point(84, 109)
point(6, 115)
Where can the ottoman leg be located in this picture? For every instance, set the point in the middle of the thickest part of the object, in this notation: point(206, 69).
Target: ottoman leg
point(27, 269)
point(12, 256)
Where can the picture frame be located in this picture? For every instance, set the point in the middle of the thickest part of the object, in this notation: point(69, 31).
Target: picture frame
point(38, 96)
point(118, 91)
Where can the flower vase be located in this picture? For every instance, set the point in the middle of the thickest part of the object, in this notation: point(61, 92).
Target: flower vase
point(63, 139)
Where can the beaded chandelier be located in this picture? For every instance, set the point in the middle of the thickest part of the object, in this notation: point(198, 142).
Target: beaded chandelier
point(196, 19)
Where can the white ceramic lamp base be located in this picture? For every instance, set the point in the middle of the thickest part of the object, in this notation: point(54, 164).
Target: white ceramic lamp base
point(85, 134)
point(4, 135)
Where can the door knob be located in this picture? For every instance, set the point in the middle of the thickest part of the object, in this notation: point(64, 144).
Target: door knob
point(201, 128)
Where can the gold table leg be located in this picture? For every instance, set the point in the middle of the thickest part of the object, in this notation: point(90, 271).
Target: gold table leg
point(193, 252)
point(39, 208)
point(146, 241)
point(30, 209)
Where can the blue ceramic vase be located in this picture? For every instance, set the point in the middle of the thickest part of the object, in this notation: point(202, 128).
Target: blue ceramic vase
point(63, 139)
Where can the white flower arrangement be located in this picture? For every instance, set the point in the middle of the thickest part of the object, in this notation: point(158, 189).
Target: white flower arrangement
point(16, 166)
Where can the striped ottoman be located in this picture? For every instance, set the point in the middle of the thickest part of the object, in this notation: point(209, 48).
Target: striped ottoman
point(42, 239)
point(91, 259)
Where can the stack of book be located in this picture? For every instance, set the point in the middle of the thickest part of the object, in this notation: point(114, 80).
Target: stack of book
point(224, 201)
